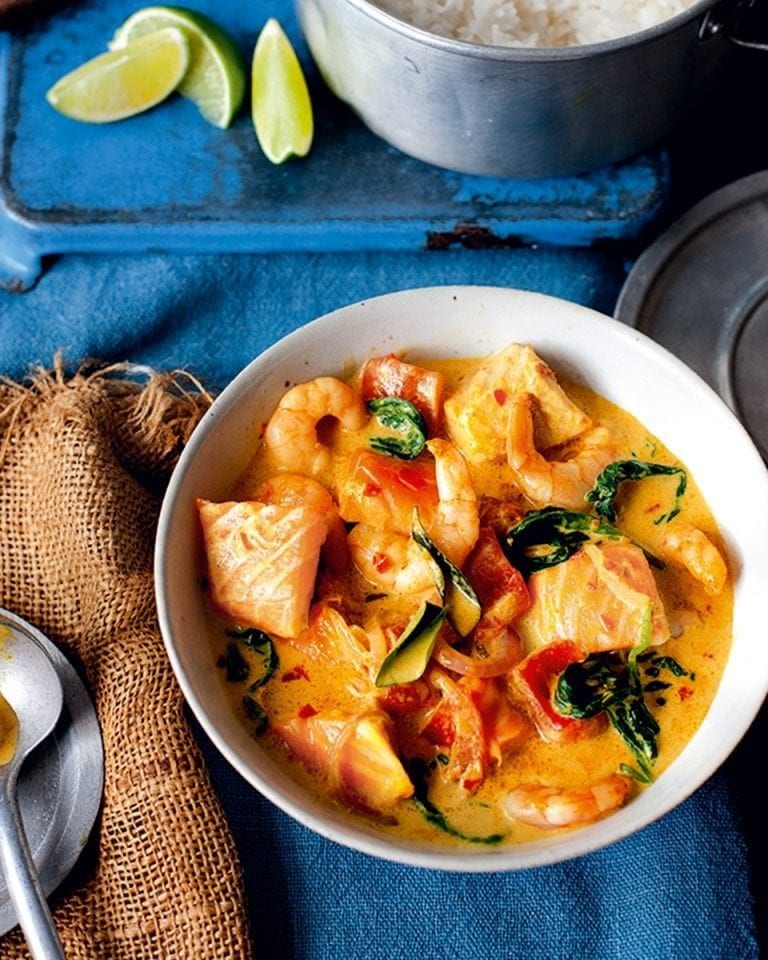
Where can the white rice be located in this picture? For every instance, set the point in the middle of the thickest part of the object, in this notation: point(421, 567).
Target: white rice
point(534, 23)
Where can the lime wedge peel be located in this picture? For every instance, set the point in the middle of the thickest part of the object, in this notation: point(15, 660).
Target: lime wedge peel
point(161, 49)
point(215, 79)
point(280, 105)
point(122, 83)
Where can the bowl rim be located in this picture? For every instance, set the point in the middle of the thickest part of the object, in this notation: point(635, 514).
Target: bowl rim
point(340, 827)
point(489, 51)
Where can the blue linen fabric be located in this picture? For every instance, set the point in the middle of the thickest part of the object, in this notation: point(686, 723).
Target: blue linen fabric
point(689, 886)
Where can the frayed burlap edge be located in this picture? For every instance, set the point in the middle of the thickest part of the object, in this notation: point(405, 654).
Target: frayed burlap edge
point(84, 458)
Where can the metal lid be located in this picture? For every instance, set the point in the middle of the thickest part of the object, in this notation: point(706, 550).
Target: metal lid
point(701, 290)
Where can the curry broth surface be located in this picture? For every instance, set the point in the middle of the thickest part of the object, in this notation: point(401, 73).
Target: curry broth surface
point(700, 624)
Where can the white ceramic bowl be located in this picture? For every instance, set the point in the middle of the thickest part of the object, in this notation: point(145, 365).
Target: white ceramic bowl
point(616, 361)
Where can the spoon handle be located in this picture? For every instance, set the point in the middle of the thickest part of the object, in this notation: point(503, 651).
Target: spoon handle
point(23, 882)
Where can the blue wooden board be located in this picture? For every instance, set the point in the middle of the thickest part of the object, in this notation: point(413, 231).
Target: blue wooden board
point(167, 180)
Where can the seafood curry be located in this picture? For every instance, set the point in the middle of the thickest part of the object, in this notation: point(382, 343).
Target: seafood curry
point(469, 600)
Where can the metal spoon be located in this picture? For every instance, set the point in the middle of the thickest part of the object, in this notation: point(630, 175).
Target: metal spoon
point(31, 686)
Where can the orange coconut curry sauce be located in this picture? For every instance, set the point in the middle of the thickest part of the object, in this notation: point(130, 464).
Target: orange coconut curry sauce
point(469, 601)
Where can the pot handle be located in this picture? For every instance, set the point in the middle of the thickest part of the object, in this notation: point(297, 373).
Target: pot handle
point(730, 23)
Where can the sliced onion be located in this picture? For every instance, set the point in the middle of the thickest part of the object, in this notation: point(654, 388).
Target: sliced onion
point(504, 652)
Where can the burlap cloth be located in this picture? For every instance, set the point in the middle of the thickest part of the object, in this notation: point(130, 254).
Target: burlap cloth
point(84, 460)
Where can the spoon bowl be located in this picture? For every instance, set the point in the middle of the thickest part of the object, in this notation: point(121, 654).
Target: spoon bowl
point(31, 686)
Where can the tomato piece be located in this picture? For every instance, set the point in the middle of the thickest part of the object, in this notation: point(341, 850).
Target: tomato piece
point(297, 673)
point(440, 730)
point(502, 515)
point(535, 678)
point(390, 377)
point(383, 491)
point(500, 587)
point(403, 698)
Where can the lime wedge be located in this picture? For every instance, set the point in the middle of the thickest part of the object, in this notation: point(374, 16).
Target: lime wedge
point(215, 80)
point(280, 104)
point(124, 82)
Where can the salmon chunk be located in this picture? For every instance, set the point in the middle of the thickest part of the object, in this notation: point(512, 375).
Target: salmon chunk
point(475, 412)
point(353, 753)
point(262, 562)
point(597, 599)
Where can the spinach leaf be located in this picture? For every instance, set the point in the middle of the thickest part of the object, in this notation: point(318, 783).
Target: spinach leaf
point(669, 663)
point(634, 722)
point(635, 774)
point(418, 771)
point(234, 664)
point(656, 686)
point(261, 644)
point(550, 536)
point(603, 682)
point(403, 418)
point(255, 712)
point(607, 486)
point(587, 688)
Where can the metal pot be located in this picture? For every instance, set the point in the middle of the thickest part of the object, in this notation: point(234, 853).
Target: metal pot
point(510, 111)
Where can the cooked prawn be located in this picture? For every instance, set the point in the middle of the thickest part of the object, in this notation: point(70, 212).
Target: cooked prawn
point(456, 526)
point(691, 547)
point(552, 807)
point(291, 433)
point(563, 483)
point(295, 490)
point(392, 561)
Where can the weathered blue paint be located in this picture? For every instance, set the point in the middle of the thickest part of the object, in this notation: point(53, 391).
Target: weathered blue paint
point(168, 180)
